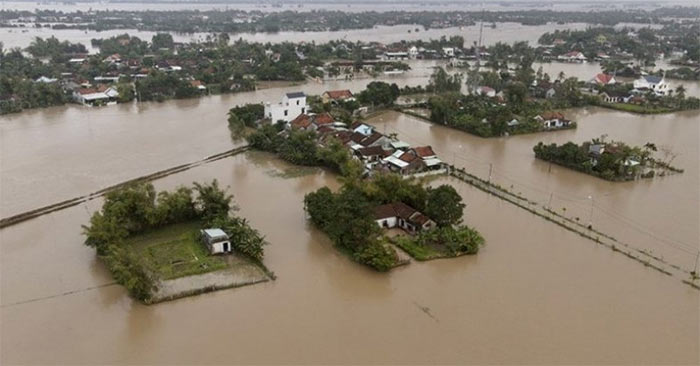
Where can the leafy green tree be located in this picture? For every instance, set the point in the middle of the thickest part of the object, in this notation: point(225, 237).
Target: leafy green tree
point(444, 205)
point(212, 202)
point(129, 271)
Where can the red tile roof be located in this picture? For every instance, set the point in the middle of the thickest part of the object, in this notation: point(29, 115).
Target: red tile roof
point(302, 121)
point(552, 115)
point(339, 94)
point(323, 119)
point(603, 78)
point(424, 151)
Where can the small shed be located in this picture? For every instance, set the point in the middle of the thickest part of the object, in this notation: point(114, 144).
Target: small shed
point(216, 240)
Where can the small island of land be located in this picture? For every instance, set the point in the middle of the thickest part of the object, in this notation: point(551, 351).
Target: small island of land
point(613, 160)
point(166, 245)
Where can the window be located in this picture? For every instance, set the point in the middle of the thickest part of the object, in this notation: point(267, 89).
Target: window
point(303, 110)
point(286, 113)
point(297, 102)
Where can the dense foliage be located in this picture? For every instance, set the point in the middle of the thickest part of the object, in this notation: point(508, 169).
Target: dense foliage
point(619, 161)
point(347, 217)
point(138, 208)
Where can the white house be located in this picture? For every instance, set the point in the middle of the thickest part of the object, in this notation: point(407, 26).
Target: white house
point(448, 51)
point(292, 105)
point(216, 240)
point(403, 216)
point(657, 84)
point(552, 120)
point(413, 53)
point(573, 56)
point(396, 55)
point(92, 97)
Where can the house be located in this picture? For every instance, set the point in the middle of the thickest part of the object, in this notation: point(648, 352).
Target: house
point(391, 56)
point(96, 96)
point(552, 120)
point(113, 59)
point(372, 154)
point(573, 56)
point(448, 51)
point(413, 53)
point(603, 79)
point(216, 240)
point(337, 95)
point(302, 122)
point(654, 83)
point(426, 153)
point(403, 216)
point(487, 91)
point(614, 96)
point(291, 106)
point(45, 80)
point(197, 84)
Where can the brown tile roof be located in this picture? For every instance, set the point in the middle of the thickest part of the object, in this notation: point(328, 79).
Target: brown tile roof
point(369, 140)
point(408, 157)
point(552, 115)
point(302, 121)
point(424, 151)
point(323, 119)
point(372, 151)
point(339, 94)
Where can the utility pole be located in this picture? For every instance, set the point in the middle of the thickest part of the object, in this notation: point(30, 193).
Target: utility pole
point(490, 171)
point(695, 269)
point(549, 203)
point(590, 219)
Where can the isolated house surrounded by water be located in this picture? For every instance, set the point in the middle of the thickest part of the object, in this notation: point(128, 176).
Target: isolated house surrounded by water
point(402, 216)
point(291, 106)
point(217, 241)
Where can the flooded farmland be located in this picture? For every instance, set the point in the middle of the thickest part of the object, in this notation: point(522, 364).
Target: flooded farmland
point(536, 293)
point(659, 215)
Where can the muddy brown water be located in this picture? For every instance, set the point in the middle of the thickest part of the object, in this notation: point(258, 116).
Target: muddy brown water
point(536, 293)
point(659, 215)
point(53, 154)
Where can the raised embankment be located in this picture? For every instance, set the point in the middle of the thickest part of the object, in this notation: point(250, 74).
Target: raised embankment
point(8, 221)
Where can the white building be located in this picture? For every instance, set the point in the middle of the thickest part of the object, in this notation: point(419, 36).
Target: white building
point(292, 105)
point(92, 97)
point(448, 51)
point(217, 241)
point(413, 53)
point(395, 56)
point(657, 84)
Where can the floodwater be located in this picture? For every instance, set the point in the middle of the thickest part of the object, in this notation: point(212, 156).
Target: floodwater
point(505, 32)
point(535, 294)
point(659, 215)
point(53, 154)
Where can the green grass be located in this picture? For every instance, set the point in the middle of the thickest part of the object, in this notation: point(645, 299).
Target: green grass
point(175, 251)
point(634, 108)
point(417, 251)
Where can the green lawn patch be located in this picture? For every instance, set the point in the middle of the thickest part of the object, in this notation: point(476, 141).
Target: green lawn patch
point(175, 251)
point(417, 251)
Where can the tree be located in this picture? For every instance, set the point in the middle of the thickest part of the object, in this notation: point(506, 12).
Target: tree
point(444, 205)
point(162, 40)
point(212, 202)
point(516, 93)
point(441, 81)
point(379, 93)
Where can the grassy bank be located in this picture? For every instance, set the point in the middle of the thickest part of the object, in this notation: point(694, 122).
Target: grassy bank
point(639, 109)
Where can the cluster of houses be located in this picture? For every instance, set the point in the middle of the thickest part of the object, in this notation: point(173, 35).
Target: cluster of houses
point(101, 90)
point(375, 150)
point(640, 87)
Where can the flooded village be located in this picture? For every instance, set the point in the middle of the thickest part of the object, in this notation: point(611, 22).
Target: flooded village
point(572, 267)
